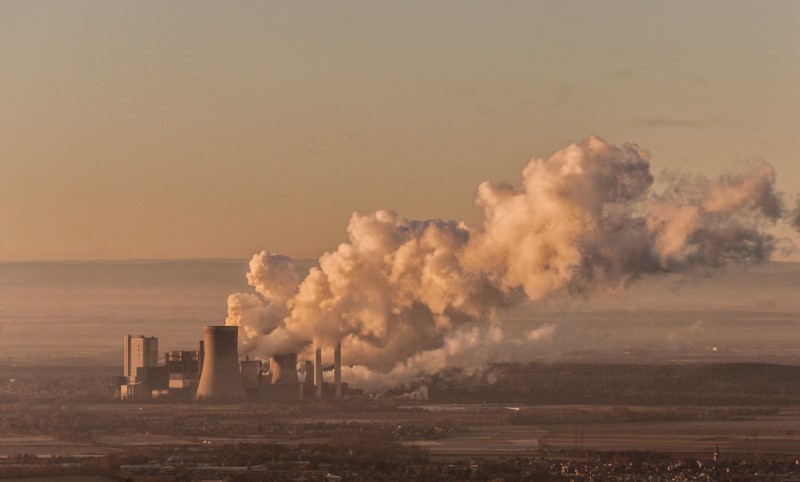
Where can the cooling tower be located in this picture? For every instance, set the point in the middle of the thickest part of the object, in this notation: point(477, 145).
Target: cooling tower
point(220, 380)
point(284, 369)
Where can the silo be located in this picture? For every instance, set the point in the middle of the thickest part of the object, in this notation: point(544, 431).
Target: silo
point(221, 380)
point(284, 369)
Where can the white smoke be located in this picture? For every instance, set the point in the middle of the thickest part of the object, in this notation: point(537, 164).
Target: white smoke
point(275, 279)
point(406, 297)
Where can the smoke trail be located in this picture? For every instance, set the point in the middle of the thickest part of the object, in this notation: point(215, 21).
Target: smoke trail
point(408, 296)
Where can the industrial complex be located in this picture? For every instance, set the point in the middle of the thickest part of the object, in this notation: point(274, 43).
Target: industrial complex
point(215, 373)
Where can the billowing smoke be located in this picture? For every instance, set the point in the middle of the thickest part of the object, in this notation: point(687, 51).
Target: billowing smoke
point(406, 296)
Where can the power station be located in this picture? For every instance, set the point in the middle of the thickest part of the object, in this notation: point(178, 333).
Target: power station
point(214, 372)
point(220, 379)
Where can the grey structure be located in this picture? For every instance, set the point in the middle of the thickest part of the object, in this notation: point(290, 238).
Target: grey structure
point(337, 369)
point(284, 369)
point(221, 380)
point(318, 371)
point(138, 352)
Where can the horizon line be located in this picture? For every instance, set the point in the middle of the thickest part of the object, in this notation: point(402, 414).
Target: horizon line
point(132, 260)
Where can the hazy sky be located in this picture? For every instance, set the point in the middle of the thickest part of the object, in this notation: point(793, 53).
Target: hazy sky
point(218, 129)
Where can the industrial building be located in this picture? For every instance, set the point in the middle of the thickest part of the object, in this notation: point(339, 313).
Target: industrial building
point(214, 372)
point(184, 367)
point(141, 373)
point(138, 351)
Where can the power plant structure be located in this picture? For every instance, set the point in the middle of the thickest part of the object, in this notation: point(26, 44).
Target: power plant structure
point(141, 373)
point(138, 352)
point(319, 381)
point(283, 381)
point(337, 369)
point(221, 380)
point(284, 369)
point(215, 373)
point(251, 376)
point(184, 367)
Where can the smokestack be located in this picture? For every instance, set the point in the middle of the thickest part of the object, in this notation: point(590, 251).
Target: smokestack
point(284, 369)
point(309, 380)
point(221, 380)
point(337, 369)
point(318, 371)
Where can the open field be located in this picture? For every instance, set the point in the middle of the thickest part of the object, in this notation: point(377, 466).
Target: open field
point(386, 439)
point(778, 435)
point(486, 441)
point(761, 435)
point(464, 430)
point(13, 444)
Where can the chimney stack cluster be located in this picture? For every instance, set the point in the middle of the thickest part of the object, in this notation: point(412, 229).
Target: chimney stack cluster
point(214, 372)
point(337, 370)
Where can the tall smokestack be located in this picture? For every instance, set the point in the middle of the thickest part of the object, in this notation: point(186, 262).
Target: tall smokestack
point(221, 380)
point(309, 380)
point(337, 369)
point(318, 371)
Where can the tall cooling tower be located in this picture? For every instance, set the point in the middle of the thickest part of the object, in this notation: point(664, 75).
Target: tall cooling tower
point(221, 380)
point(284, 369)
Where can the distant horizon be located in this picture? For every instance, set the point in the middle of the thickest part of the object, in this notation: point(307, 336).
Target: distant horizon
point(246, 259)
point(748, 312)
point(136, 260)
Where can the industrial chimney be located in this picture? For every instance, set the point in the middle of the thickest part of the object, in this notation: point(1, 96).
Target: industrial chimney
point(337, 369)
point(284, 369)
point(220, 380)
point(318, 371)
point(309, 380)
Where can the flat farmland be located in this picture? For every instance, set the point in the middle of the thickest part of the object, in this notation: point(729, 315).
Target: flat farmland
point(439, 430)
point(485, 441)
point(14, 444)
point(779, 435)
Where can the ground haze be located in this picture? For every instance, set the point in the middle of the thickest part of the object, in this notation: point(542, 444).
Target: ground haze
point(77, 312)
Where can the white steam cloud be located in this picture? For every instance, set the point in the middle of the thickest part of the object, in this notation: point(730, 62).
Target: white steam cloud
point(406, 296)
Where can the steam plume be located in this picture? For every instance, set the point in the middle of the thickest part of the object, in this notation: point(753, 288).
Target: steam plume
point(407, 296)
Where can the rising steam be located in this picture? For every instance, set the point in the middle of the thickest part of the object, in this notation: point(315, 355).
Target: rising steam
point(406, 296)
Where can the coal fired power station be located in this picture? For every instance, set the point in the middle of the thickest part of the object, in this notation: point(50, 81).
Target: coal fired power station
point(220, 379)
point(214, 372)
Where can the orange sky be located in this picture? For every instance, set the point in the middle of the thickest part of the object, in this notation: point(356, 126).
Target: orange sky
point(209, 129)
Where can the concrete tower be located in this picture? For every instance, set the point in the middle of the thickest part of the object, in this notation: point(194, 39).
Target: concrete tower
point(138, 352)
point(221, 380)
point(337, 369)
point(318, 371)
point(284, 369)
